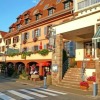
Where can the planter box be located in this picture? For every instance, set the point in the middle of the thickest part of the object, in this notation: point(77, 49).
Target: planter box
point(34, 76)
point(90, 82)
point(84, 87)
point(49, 80)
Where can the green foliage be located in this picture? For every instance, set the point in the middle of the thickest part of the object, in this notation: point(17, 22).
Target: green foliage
point(3, 66)
point(15, 74)
point(24, 74)
point(43, 52)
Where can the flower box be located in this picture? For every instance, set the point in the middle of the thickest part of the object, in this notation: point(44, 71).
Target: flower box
point(83, 87)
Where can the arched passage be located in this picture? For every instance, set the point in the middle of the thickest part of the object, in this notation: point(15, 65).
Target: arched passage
point(19, 66)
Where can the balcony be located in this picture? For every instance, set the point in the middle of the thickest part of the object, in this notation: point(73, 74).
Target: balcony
point(87, 3)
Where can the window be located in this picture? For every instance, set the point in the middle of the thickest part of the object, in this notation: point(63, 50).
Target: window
point(0, 49)
point(37, 32)
point(37, 17)
point(18, 26)
point(15, 39)
point(66, 5)
point(98, 47)
point(0, 40)
point(36, 48)
point(8, 41)
point(27, 21)
point(3, 48)
point(88, 48)
point(25, 36)
point(50, 11)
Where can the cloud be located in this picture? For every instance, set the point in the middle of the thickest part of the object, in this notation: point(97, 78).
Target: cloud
point(35, 1)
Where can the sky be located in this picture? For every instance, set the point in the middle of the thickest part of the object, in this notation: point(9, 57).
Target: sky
point(11, 9)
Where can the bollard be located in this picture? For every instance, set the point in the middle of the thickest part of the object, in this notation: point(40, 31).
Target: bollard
point(95, 89)
point(45, 86)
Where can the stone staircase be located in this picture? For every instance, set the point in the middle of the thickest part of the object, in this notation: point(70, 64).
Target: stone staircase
point(71, 79)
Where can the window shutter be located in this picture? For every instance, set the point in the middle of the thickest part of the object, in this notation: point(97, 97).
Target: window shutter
point(39, 31)
point(33, 48)
point(45, 30)
point(27, 35)
point(33, 34)
point(45, 46)
point(38, 47)
point(22, 37)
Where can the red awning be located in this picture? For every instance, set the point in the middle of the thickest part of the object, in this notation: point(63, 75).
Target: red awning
point(43, 64)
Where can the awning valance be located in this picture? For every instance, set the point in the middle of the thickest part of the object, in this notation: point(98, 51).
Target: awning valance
point(97, 34)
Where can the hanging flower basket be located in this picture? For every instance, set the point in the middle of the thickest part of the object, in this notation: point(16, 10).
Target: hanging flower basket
point(35, 39)
point(24, 41)
point(14, 45)
point(47, 36)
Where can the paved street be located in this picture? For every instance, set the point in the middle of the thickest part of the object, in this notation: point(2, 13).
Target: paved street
point(12, 90)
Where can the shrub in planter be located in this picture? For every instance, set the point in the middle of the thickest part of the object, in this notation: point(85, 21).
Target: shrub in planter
point(43, 52)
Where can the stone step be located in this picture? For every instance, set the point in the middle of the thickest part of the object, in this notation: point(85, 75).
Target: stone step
point(71, 76)
point(71, 83)
point(68, 86)
point(72, 80)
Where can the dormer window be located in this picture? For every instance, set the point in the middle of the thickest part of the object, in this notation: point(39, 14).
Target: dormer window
point(37, 17)
point(27, 21)
point(50, 11)
point(66, 5)
point(18, 26)
point(38, 14)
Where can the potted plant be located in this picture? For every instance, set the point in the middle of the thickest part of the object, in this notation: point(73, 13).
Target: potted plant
point(91, 79)
point(84, 85)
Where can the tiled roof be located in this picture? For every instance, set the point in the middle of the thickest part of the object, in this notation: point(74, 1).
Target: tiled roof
point(3, 33)
point(41, 8)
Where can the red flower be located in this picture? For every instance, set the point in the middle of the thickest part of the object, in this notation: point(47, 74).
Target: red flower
point(24, 41)
point(35, 39)
point(91, 78)
point(84, 83)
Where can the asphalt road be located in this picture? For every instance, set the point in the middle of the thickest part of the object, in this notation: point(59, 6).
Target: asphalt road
point(12, 90)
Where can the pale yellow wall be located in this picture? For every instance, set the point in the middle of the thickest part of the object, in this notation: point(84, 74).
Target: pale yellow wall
point(79, 51)
point(42, 38)
point(32, 57)
point(17, 44)
point(2, 43)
